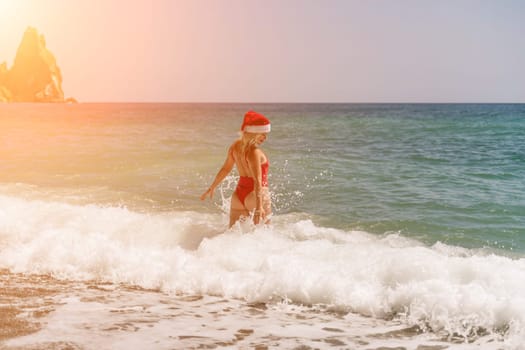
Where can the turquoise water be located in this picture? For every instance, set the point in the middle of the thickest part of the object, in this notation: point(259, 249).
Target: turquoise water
point(435, 172)
point(449, 173)
point(413, 214)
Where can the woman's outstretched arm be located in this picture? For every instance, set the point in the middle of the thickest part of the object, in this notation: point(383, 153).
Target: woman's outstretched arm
point(223, 172)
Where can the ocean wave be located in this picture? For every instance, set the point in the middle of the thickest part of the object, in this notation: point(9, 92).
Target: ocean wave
point(439, 288)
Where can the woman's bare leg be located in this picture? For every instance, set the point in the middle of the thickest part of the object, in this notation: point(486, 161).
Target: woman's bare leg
point(237, 210)
point(267, 203)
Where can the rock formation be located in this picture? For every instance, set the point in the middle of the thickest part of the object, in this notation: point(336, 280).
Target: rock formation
point(5, 94)
point(34, 76)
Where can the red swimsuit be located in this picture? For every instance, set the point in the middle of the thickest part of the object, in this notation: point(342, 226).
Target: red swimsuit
point(246, 183)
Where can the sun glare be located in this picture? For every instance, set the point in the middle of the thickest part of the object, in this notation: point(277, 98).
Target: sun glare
point(8, 12)
point(6, 5)
point(15, 17)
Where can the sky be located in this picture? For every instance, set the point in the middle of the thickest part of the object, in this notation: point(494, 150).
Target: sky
point(278, 50)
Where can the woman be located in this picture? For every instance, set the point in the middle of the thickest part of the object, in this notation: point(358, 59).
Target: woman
point(252, 164)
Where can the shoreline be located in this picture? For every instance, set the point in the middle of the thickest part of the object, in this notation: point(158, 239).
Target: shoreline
point(23, 304)
point(41, 312)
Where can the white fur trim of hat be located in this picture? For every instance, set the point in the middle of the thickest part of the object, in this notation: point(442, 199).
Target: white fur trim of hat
point(255, 123)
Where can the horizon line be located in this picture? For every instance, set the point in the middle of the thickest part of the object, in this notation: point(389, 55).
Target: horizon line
point(252, 102)
point(259, 102)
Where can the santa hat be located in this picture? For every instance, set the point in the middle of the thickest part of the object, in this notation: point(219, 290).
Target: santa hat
point(255, 123)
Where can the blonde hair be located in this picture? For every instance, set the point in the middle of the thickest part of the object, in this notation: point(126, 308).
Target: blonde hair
point(248, 140)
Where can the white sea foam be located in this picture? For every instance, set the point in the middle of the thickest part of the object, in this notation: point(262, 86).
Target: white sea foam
point(440, 288)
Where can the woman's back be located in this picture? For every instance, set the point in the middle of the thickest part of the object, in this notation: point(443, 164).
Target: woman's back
point(240, 158)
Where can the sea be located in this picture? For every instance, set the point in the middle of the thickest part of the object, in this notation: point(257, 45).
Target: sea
point(394, 226)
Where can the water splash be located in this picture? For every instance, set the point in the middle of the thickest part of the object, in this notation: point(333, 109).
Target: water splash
point(189, 252)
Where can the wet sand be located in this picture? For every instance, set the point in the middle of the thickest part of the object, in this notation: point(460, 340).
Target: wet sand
point(40, 312)
point(24, 300)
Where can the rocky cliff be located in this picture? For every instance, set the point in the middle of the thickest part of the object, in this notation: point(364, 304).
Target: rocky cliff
point(5, 94)
point(34, 76)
